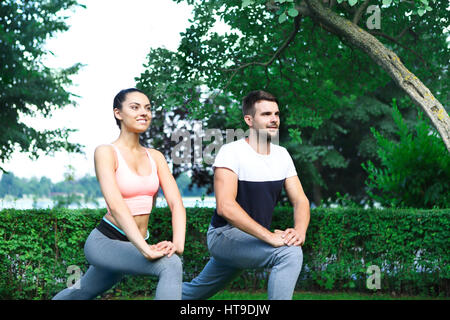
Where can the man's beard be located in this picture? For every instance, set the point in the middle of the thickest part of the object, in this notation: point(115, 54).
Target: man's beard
point(264, 136)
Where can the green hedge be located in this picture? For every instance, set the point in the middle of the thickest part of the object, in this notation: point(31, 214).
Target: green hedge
point(409, 246)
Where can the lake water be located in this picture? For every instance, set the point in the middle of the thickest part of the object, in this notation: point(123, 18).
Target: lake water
point(29, 203)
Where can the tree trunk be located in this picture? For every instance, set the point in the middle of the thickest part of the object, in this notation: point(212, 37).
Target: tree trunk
point(317, 189)
point(387, 60)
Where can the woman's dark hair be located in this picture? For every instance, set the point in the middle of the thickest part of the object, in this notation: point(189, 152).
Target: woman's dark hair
point(248, 103)
point(120, 98)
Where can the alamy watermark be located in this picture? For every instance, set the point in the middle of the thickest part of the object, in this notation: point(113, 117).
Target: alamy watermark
point(73, 281)
point(374, 280)
point(374, 20)
point(192, 146)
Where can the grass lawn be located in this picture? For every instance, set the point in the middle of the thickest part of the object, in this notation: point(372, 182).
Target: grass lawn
point(300, 295)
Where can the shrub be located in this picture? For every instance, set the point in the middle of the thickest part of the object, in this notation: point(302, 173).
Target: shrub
point(414, 172)
point(409, 246)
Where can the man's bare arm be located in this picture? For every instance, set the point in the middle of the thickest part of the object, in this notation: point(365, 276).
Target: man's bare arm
point(298, 199)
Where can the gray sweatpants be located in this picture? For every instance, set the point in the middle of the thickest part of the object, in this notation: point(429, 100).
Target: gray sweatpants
point(111, 259)
point(233, 250)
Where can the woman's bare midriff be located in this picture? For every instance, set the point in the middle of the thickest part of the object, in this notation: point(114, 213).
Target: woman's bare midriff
point(141, 221)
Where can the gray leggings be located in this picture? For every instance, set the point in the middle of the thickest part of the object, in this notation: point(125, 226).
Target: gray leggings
point(111, 259)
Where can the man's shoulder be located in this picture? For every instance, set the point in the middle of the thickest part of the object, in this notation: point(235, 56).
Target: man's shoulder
point(278, 149)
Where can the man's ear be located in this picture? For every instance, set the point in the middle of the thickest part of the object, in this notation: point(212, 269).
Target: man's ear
point(248, 120)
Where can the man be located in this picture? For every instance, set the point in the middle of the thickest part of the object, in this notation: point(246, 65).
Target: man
point(248, 177)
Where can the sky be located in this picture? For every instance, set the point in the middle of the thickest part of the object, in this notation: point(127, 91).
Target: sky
point(112, 39)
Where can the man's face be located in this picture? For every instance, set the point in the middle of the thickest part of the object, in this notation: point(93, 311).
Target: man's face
point(266, 119)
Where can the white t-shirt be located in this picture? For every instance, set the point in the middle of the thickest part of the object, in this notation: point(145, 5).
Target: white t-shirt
point(260, 178)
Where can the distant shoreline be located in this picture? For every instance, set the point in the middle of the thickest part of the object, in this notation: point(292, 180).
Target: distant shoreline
point(28, 202)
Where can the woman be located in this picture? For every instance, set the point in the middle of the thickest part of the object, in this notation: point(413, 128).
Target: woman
point(130, 176)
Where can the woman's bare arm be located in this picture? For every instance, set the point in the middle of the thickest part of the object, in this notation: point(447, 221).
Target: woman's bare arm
point(174, 201)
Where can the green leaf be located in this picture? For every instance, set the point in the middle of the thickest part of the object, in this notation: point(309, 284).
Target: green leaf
point(246, 3)
point(352, 2)
point(387, 2)
point(295, 134)
point(292, 12)
point(282, 18)
point(421, 12)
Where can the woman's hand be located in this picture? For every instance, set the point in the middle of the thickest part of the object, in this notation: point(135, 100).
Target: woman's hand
point(165, 246)
point(153, 253)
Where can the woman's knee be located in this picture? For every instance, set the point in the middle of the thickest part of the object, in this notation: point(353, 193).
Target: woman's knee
point(172, 265)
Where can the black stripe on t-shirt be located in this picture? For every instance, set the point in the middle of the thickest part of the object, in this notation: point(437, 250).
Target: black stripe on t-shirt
point(257, 198)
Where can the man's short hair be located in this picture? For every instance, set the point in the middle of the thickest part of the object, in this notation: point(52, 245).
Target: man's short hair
point(248, 103)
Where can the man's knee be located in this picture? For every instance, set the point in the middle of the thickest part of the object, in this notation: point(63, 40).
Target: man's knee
point(292, 255)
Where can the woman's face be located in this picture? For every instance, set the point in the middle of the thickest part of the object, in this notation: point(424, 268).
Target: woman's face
point(136, 112)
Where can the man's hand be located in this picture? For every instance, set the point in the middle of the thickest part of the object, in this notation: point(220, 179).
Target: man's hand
point(275, 239)
point(291, 237)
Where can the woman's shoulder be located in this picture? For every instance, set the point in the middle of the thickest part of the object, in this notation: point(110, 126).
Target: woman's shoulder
point(105, 154)
point(104, 150)
point(105, 147)
point(156, 154)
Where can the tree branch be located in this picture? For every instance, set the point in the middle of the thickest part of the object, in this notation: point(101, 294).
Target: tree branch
point(395, 40)
point(389, 62)
point(332, 3)
point(280, 50)
point(360, 11)
point(402, 33)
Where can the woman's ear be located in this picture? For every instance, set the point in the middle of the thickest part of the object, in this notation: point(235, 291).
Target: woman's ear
point(117, 114)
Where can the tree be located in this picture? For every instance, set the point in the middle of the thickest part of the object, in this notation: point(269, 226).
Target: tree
point(384, 57)
point(44, 187)
point(330, 92)
point(27, 86)
point(369, 44)
point(9, 185)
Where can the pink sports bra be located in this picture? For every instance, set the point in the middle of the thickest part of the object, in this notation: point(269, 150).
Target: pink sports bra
point(136, 190)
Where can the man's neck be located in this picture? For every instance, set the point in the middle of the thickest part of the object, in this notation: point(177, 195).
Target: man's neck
point(261, 146)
